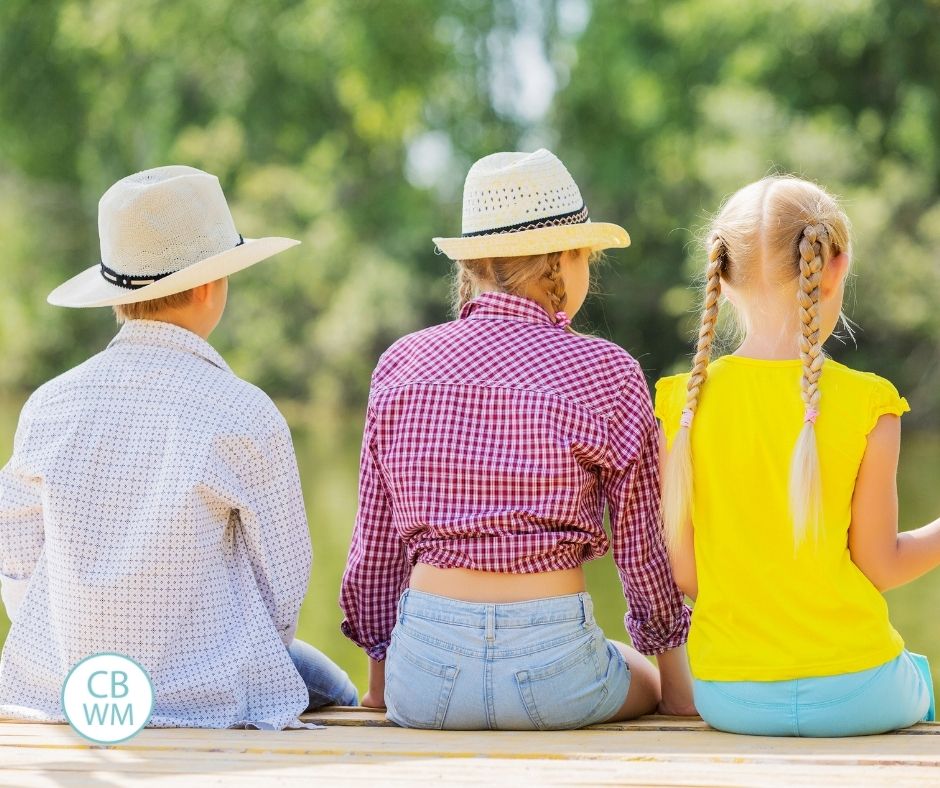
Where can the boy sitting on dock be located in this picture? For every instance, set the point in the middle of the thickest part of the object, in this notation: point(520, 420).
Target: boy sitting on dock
point(152, 506)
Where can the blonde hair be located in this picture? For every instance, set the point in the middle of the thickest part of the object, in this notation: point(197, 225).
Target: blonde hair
point(144, 310)
point(780, 231)
point(513, 275)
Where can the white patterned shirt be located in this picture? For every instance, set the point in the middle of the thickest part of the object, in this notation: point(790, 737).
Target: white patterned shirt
point(152, 507)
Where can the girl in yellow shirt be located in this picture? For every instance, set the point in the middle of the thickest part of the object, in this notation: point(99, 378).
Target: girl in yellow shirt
point(779, 492)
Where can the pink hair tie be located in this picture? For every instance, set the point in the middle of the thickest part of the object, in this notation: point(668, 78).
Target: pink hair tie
point(562, 320)
point(686, 419)
point(811, 415)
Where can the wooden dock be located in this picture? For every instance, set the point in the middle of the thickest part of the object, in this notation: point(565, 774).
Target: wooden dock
point(360, 747)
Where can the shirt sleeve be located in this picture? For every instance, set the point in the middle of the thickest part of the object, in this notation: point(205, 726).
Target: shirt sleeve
point(377, 566)
point(22, 533)
point(667, 408)
point(657, 618)
point(263, 486)
point(884, 399)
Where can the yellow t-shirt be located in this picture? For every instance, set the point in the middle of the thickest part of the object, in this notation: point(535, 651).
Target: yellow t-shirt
point(766, 612)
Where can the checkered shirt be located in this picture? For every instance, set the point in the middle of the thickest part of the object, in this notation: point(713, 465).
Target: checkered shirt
point(493, 442)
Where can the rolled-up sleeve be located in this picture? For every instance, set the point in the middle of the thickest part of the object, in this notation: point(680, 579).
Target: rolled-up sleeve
point(657, 617)
point(377, 565)
point(22, 533)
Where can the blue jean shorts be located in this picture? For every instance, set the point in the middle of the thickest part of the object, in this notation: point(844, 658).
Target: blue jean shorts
point(887, 697)
point(536, 665)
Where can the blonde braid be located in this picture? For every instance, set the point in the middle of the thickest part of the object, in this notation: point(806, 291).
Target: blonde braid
point(677, 477)
point(814, 239)
point(557, 295)
point(805, 481)
point(464, 290)
point(706, 333)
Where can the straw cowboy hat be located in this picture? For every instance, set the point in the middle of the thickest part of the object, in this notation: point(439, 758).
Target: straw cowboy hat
point(525, 203)
point(163, 231)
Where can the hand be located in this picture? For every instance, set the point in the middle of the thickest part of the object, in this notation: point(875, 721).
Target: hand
point(372, 700)
point(676, 684)
point(670, 709)
point(375, 695)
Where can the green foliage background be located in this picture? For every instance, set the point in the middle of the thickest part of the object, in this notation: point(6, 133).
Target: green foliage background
point(316, 115)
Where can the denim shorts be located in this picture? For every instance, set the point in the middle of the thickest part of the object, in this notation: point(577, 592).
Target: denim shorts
point(894, 695)
point(537, 665)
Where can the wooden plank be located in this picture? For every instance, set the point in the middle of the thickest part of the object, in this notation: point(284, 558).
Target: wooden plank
point(115, 766)
point(651, 751)
point(584, 744)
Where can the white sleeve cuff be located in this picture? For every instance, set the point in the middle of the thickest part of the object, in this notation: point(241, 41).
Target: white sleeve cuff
point(12, 591)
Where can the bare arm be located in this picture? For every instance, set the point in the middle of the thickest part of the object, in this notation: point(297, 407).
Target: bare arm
point(676, 680)
point(375, 696)
point(887, 558)
point(683, 561)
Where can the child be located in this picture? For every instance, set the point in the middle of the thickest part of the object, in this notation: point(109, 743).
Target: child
point(780, 498)
point(152, 505)
point(491, 446)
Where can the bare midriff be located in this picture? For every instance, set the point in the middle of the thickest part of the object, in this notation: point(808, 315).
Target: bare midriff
point(474, 585)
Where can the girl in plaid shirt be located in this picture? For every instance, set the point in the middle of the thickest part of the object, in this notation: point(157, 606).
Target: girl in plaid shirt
point(492, 445)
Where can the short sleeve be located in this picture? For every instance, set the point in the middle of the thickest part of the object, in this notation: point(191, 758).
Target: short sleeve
point(668, 405)
point(884, 399)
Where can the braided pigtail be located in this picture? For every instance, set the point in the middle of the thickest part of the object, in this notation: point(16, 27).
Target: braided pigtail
point(677, 477)
point(555, 290)
point(805, 477)
point(464, 288)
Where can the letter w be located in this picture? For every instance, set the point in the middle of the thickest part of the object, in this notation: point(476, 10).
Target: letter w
point(97, 714)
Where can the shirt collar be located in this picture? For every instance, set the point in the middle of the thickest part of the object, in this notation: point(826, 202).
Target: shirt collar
point(156, 333)
point(505, 305)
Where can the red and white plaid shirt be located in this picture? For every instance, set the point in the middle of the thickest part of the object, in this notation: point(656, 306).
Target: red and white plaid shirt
point(493, 442)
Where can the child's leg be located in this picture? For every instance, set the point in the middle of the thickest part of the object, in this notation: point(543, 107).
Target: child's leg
point(327, 683)
point(644, 693)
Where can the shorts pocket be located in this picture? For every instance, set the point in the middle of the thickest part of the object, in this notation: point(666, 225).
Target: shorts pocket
point(565, 692)
point(417, 689)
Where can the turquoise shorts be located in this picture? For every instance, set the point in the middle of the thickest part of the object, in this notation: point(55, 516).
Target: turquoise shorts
point(538, 665)
point(894, 695)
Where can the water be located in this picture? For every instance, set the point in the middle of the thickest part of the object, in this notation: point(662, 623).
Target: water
point(328, 450)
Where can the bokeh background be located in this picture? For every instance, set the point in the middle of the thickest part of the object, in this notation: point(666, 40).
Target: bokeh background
point(350, 125)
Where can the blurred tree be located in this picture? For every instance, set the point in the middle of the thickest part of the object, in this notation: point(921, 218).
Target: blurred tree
point(674, 105)
point(350, 126)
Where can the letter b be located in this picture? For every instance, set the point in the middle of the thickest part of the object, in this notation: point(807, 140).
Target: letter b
point(119, 683)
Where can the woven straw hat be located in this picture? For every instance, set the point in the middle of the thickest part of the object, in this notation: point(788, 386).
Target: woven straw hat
point(163, 231)
point(525, 203)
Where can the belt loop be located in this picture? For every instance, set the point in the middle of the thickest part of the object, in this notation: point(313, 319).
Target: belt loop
point(587, 606)
point(401, 604)
point(491, 623)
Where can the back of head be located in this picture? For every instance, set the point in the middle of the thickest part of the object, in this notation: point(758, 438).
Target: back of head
point(774, 235)
point(152, 308)
point(514, 275)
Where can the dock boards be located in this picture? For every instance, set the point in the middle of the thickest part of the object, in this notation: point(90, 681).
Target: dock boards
point(360, 747)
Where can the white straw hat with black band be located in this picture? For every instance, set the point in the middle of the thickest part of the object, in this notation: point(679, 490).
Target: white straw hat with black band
point(163, 231)
point(525, 203)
